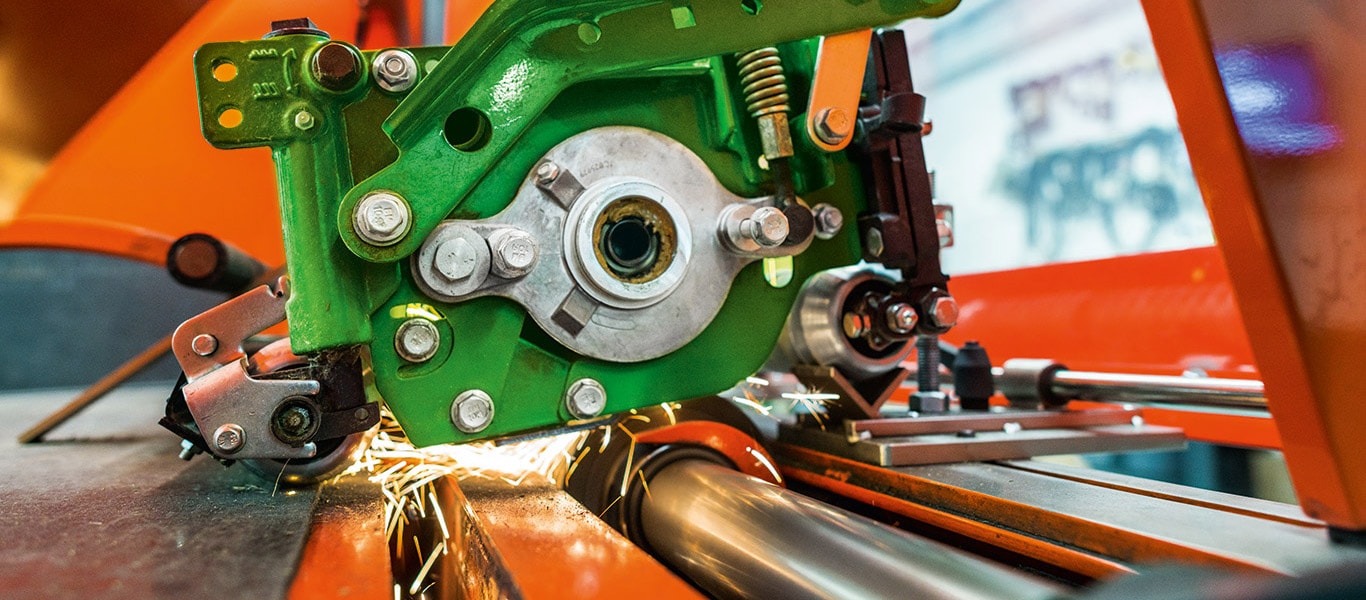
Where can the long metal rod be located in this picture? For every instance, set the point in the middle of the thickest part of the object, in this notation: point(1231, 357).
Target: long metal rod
point(739, 537)
point(1161, 388)
point(1151, 389)
point(98, 390)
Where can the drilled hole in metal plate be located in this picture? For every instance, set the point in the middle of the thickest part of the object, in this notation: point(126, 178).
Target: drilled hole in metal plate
point(224, 71)
point(230, 118)
point(467, 129)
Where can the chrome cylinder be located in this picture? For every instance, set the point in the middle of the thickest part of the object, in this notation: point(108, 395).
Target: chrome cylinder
point(736, 536)
point(1242, 393)
point(1029, 381)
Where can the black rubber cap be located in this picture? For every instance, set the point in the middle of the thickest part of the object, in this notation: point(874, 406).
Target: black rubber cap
point(972, 377)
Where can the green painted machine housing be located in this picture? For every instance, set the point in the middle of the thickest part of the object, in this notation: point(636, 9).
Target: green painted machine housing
point(537, 73)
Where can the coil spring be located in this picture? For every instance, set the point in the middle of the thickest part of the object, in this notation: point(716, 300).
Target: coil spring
point(762, 81)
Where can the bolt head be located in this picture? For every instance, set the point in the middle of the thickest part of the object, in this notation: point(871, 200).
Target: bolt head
point(304, 26)
point(229, 438)
point(381, 219)
point(472, 411)
point(417, 340)
point(901, 317)
point(585, 399)
point(944, 311)
point(872, 242)
point(395, 70)
point(834, 125)
point(855, 325)
point(455, 259)
point(829, 220)
point(336, 66)
point(768, 226)
point(204, 344)
point(546, 173)
point(514, 253)
point(304, 120)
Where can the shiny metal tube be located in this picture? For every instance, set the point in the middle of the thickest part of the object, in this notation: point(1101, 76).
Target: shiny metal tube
point(1027, 380)
point(739, 537)
point(1242, 393)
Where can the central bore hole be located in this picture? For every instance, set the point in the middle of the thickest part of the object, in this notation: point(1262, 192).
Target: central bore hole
point(630, 245)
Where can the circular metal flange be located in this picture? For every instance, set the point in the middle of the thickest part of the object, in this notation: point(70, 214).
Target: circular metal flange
point(472, 411)
point(571, 294)
point(582, 240)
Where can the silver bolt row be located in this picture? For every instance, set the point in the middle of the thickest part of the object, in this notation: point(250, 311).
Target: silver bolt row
point(383, 218)
point(472, 411)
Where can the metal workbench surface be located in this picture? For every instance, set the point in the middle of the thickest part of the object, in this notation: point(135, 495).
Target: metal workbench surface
point(106, 509)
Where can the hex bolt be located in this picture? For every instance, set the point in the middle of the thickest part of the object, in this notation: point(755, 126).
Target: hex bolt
point(229, 438)
point(381, 219)
point(829, 220)
point(204, 344)
point(304, 120)
point(417, 340)
point(585, 399)
point(767, 227)
point(872, 242)
point(834, 125)
point(514, 253)
point(395, 70)
point(854, 325)
point(336, 66)
point(303, 26)
point(472, 411)
point(455, 259)
point(901, 317)
point(944, 312)
point(546, 172)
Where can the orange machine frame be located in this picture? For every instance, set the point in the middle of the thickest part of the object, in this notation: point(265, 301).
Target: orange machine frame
point(111, 190)
point(1316, 413)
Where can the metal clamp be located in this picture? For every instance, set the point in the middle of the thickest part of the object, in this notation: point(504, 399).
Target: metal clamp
point(220, 393)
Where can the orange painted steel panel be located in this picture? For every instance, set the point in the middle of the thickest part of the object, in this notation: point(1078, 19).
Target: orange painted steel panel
point(554, 548)
point(1320, 432)
point(1229, 429)
point(749, 457)
point(142, 164)
point(347, 553)
point(461, 15)
point(1159, 312)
